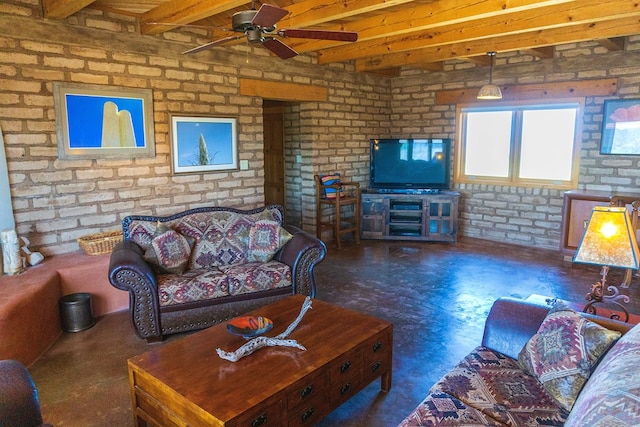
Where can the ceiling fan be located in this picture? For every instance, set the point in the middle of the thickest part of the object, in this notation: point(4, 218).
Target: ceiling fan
point(259, 26)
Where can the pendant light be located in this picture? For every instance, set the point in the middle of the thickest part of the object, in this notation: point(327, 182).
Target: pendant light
point(490, 91)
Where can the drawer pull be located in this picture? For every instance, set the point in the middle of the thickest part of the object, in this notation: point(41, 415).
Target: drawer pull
point(306, 391)
point(306, 415)
point(345, 367)
point(345, 388)
point(261, 420)
point(377, 346)
point(376, 366)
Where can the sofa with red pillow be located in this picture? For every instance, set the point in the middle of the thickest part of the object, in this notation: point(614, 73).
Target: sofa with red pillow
point(202, 266)
point(540, 366)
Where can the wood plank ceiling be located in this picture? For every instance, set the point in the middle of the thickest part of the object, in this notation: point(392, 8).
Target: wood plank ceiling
point(400, 33)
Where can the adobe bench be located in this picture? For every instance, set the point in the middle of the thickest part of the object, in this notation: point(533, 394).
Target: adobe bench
point(29, 312)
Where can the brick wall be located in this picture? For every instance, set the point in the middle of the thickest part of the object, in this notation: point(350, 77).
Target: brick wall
point(56, 201)
point(525, 216)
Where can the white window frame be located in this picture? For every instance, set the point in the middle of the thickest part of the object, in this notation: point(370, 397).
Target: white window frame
point(514, 161)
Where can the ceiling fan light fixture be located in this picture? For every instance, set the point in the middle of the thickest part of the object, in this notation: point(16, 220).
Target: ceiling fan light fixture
point(490, 91)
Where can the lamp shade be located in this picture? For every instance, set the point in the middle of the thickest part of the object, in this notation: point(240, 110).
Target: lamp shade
point(490, 91)
point(609, 239)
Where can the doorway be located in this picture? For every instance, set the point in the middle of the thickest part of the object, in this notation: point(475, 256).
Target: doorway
point(274, 161)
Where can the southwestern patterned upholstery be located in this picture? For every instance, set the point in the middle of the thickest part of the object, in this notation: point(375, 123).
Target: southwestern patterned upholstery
point(206, 265)
point(611, 397)
point(490, 388)
point(564, 351)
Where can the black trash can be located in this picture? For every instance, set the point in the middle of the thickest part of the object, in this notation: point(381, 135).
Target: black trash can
point(76, 313)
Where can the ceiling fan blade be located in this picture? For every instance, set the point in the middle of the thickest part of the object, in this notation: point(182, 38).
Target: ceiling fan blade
point(268, 15)
point(212, 44)
point(279, 48)
point(345, 36)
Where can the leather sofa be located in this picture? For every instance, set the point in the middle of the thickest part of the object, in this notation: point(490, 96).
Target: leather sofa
point(19, 402)
point(228, 271)
point(492, 387)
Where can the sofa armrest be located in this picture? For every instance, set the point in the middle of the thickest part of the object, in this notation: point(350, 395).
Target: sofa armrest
point(302, 253)
point(511, 323)
point(128, 271)
point(19, 405)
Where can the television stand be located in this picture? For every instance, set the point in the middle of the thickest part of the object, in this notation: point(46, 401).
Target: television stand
point(410, 216)
point(407, 190)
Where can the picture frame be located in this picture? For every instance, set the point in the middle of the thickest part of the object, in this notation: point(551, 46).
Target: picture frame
point(621, 127)
point(103, 122)
point(203, 144)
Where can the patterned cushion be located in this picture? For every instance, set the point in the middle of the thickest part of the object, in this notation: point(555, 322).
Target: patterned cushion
point(495, 385)
point(443, 410)
point(564, 351)
point(611, 397)
point(257, 276)
point(193, 285)
point(142, 232)
point(333, 179)
point(169, 250)
point(265, 239)
point(222, 238)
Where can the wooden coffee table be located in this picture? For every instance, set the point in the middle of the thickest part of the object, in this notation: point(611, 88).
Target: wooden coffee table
point(185, 382)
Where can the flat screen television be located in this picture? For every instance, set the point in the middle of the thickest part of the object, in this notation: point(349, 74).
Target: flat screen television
point(410, 164)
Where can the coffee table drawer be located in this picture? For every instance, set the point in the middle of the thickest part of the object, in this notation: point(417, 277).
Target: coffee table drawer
point(267, 416)
point(309, 414)
point(307, 390)
point(345, 366)
point(377, 348)
point(343, 390)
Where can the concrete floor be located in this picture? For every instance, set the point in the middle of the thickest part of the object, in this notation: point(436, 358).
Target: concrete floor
point(437, 296)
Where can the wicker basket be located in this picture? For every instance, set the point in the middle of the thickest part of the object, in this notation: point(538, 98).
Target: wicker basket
point(100, 243)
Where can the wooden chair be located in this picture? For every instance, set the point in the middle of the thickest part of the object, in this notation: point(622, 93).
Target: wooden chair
point(347, 194)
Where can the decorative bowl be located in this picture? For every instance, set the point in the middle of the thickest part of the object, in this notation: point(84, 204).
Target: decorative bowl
point(249, 326)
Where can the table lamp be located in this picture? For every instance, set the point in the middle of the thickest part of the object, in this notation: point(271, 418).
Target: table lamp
point(610, 241)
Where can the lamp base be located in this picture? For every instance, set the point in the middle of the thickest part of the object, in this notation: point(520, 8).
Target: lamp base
point(597, 296)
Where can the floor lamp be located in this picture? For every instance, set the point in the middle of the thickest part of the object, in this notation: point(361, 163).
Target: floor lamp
point(610, 241)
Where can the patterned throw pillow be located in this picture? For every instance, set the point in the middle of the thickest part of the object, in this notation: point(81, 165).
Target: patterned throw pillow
point(265, 239)
point(611, 397)
point(169, 250)
point(564, 351)
point(333, 179)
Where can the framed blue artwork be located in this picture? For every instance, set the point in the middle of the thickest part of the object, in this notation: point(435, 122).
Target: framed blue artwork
point(621, 127)
point(103, 122)
point(203, 144)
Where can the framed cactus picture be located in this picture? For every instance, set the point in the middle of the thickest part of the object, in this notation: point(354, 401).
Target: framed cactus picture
point(103, 122)
point(203, 144)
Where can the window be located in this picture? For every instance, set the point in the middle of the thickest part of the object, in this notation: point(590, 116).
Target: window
point(525, 145)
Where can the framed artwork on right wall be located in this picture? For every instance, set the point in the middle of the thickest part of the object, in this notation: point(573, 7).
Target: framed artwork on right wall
point(621, 127)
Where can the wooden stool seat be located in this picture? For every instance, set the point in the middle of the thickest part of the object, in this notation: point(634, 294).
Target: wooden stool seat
point(347, 194)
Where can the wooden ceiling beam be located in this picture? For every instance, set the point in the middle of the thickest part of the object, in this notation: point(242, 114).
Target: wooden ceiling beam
point(60, 9)
point(484, 60)
point(545, 52)
point(614, 44)
point(426, 16)
point(554, 16)
point(179, 12)
point(525, 40)
point(314, 12)
point(597, 87)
